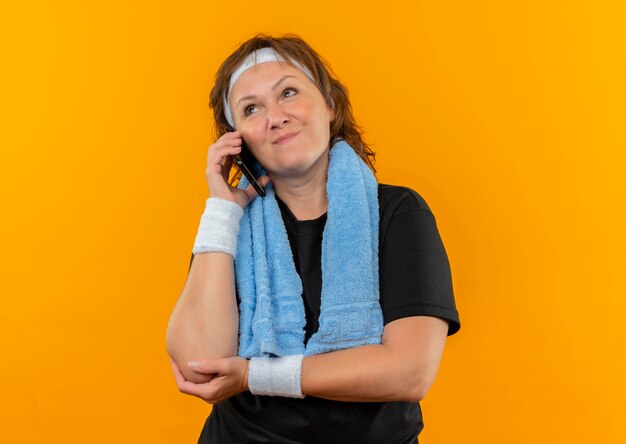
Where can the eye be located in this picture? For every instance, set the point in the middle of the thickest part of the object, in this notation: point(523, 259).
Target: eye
point(245, 110)
point(290, 89)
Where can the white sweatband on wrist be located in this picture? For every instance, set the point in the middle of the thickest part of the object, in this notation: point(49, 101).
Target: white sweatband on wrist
point(276, 376)
point(219, 227)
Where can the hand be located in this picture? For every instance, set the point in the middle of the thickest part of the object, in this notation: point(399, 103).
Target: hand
point(230, 377)
point(219, 163)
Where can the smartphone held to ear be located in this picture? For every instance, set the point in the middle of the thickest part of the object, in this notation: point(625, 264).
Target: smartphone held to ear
point(243, 161)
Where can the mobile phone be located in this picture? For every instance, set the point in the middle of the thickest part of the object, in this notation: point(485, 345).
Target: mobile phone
point(244, 159)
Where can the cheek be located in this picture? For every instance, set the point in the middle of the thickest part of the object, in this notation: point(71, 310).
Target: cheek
point(253, 133)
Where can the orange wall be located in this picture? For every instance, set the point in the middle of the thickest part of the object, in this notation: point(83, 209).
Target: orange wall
point(508, 118)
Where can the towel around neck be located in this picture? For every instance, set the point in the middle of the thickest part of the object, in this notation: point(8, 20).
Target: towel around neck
point(272, 318)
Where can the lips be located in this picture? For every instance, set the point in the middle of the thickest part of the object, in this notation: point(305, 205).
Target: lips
point(286, 138)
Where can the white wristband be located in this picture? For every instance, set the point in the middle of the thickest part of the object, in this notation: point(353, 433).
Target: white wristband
point(219, 227)
point(276, 376)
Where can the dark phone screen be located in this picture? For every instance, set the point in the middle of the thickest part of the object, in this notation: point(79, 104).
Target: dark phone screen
point(250, 168)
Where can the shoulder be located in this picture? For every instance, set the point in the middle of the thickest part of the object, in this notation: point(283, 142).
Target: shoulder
point(403, 210)
point(396, 199)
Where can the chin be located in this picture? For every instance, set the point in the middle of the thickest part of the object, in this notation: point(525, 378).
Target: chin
point(298, 165)
point(292, 170)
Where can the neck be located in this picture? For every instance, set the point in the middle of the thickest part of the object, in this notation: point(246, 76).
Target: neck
point(306, 195)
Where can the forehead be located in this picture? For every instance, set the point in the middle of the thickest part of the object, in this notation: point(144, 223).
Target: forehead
point(268, 72)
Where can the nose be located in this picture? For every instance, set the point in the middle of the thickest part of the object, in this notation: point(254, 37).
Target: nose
point(277, 115)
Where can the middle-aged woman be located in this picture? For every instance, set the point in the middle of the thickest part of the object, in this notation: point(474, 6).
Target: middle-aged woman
point(319, 312)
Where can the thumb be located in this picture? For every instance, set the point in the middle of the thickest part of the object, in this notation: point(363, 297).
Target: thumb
point(264, 180)
point(251, 192)
point(205, 366)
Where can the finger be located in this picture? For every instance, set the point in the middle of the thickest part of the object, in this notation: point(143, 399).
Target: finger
point(234, 133)
point(224, 150)
point(184, 386)
point(222, 162)
point(251, 192)
point(230, 139)
point(206, 367)
point(227, 160)
point(216, 389)
point(218, 155)
point(234, 141)
point(227, 136)
point(225, 143)
point(189, 388)
point(177, 373)
point(178, 376)
point(264, 180)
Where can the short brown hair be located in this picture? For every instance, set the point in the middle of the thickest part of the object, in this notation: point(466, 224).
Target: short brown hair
point(292, 47)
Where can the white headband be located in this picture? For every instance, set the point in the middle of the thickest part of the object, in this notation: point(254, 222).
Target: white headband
point(254, 58)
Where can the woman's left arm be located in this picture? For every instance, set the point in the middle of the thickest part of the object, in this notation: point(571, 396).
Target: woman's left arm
point(402, 368)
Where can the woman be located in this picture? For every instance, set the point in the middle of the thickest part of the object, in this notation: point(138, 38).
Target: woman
point(318, 313)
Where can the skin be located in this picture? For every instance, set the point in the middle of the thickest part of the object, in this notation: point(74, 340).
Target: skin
point(298, 167)
point(404, 365)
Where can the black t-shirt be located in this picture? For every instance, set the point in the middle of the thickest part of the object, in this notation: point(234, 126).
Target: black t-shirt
point(415, 279)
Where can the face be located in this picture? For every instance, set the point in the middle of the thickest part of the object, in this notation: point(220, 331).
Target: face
point(272, 100)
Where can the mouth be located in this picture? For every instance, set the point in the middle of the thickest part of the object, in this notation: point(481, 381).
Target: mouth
point(285, 139)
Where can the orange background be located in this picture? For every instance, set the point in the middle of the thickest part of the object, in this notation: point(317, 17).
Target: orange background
point(509, 119)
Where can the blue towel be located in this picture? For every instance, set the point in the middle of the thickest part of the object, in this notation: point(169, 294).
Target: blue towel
point(272, 320)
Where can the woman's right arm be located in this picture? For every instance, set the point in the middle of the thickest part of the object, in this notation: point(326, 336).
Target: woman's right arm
point(205, 320)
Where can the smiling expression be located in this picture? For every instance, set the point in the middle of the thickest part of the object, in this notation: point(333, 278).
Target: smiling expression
point(283, 117)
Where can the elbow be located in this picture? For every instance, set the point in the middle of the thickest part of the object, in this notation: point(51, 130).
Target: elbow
point(180, 356)
point(418, 393)
point(418, 388)
point(172, 342)
point(181, 347)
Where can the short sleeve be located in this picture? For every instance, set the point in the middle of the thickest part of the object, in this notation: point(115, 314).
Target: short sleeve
point(415, 277)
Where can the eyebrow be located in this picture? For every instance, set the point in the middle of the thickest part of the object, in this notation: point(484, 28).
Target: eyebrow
point(273, 88)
